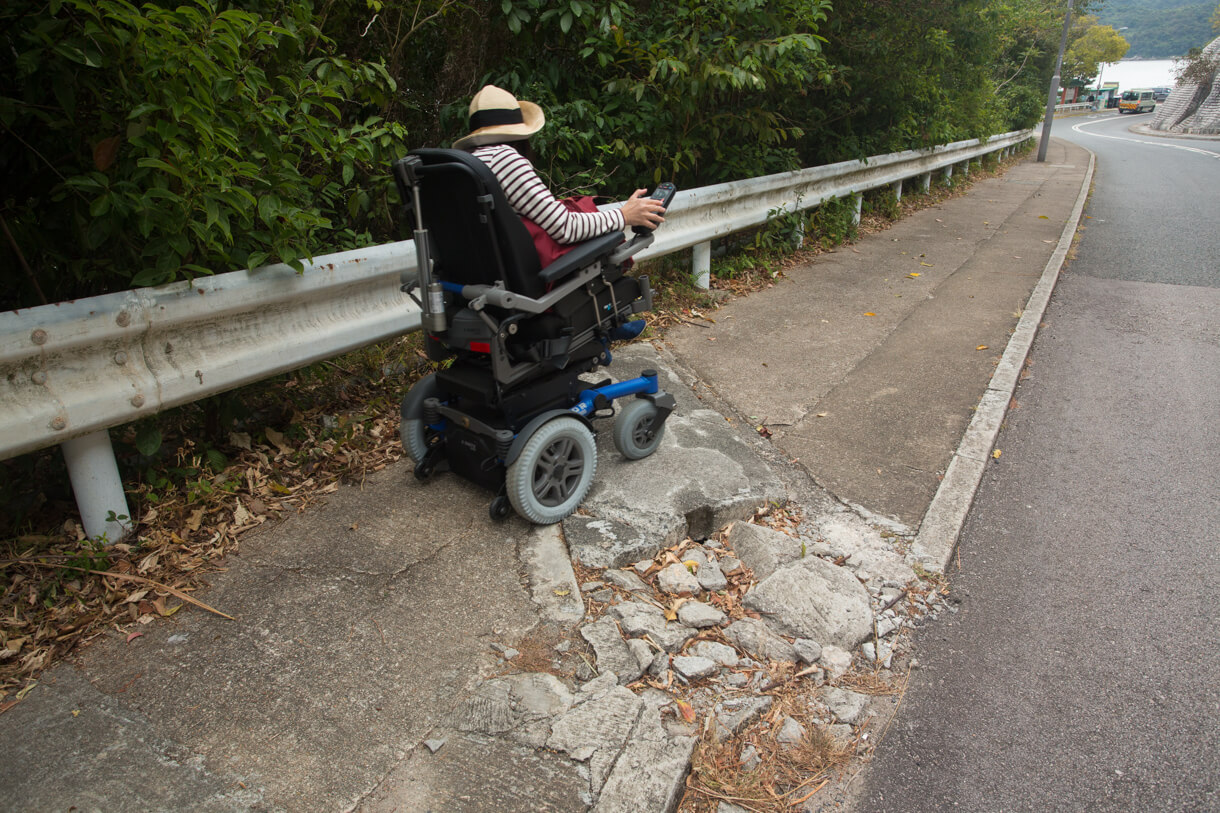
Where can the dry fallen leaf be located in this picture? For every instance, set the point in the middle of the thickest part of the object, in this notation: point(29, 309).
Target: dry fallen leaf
point(981, 347)
point(870, 313)
point(686, 709)
point(996, 454)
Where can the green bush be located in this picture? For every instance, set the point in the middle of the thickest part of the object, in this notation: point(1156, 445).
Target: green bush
point(154, 144)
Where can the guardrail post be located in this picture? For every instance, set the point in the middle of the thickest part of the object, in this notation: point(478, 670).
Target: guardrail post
point(949, 173)
point(858, 200)
point(898, 190)
point(701, 265)
point(97, 485)
point(926, 182)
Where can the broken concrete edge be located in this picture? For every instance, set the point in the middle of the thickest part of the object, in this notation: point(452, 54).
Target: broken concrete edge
point(548, 570)
point(938, 533)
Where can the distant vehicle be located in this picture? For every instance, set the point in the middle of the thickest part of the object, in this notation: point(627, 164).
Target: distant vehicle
point(1140, 100)
point(1160, 94)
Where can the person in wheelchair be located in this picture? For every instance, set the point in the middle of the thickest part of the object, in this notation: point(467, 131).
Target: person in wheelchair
point(500, 127)
point(515, 332)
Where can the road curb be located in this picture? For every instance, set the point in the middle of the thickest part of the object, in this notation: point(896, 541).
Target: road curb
point(942, 523)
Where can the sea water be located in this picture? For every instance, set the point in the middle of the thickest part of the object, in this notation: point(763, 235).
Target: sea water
point(1139, 73)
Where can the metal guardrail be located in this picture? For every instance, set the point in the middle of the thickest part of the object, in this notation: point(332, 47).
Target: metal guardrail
point(1075, 107)
point(72, 370)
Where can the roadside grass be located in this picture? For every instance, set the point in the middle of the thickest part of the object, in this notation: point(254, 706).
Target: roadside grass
point(201, 476)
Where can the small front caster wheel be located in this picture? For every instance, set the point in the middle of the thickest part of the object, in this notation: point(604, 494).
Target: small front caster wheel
point(553, 473)
point(637, 430)
point(500, 508)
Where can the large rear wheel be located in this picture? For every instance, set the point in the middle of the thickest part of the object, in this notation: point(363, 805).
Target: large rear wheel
point(553, 473)
point(415, 433)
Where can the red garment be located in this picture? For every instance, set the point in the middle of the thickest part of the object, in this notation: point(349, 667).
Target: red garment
point(548, 248)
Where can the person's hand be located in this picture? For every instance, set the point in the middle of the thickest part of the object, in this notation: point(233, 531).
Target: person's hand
point(641, 211)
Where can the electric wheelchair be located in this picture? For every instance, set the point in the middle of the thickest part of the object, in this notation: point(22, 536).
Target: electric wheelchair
point(507, 407)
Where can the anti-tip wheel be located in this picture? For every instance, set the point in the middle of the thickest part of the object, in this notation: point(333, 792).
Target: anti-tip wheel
point(553, 473)
point(637, 430)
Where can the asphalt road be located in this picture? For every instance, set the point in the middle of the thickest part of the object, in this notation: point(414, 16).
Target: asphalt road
point(1081, 670)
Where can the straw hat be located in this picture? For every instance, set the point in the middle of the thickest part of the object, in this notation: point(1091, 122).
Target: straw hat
point(496, 115)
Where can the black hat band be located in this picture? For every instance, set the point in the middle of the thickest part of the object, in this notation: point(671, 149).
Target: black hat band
point(493, 118)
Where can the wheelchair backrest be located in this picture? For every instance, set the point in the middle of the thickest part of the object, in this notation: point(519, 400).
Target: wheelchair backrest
point(475, 236)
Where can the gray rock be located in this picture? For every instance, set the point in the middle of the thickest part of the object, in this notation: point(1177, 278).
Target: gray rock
point(790, 732)
point(807, 650)
point(639, 619)
point(749, 758)
point(434, 745)
point(649, 775)
point(643, 653)
point(700, 616)
point(643, 566)
point(737, 680)
point(599, 685)
point(695, 554)
point(762, 549)
point(734, 715)
point(711, 578)
point(601, 722)
point(729, 565)
point(660, 664)
point(693, 667)
point(835, 661)
point(627, 581)
point(613, 654)
point(847, 706)
point(676, 580)
point(721, 654)
point(755, 637)
point(888, 626)
point(814, 599)
point(589, 587)
point(881, 652)
point(728, 807)
point(842, 734)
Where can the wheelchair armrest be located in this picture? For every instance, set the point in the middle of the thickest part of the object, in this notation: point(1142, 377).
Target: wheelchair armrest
point(582, 255)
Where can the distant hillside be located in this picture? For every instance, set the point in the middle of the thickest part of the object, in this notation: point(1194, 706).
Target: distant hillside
point(1159, 29)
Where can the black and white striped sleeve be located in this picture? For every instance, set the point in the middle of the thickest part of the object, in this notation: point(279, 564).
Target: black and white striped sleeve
point(529, 197)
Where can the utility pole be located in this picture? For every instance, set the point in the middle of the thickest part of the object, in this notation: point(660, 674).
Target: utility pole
point(1054, 91)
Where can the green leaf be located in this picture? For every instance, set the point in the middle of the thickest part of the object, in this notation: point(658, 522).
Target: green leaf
point(148, 439)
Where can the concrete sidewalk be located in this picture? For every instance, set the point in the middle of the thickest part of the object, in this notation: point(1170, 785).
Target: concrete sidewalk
point(362, 625)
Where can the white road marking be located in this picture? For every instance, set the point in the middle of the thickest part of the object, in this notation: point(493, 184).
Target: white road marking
point(1077, 128)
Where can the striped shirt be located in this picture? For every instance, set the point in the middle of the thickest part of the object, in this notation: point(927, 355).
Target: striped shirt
point(530, 198)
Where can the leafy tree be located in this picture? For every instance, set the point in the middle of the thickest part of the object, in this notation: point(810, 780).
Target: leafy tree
point(1097, 44)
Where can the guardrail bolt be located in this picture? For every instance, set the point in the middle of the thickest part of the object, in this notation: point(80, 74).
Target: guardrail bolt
point(39, 336)
point(120, 357)
point(59, 423)
point(137, 401)
point(39, 377)
point(123, 319)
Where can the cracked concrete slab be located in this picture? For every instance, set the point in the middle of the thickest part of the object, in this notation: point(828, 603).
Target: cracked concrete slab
point(359, 624)
point(703, 476)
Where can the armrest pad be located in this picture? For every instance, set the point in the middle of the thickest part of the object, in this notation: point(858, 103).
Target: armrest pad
point(582, 255)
